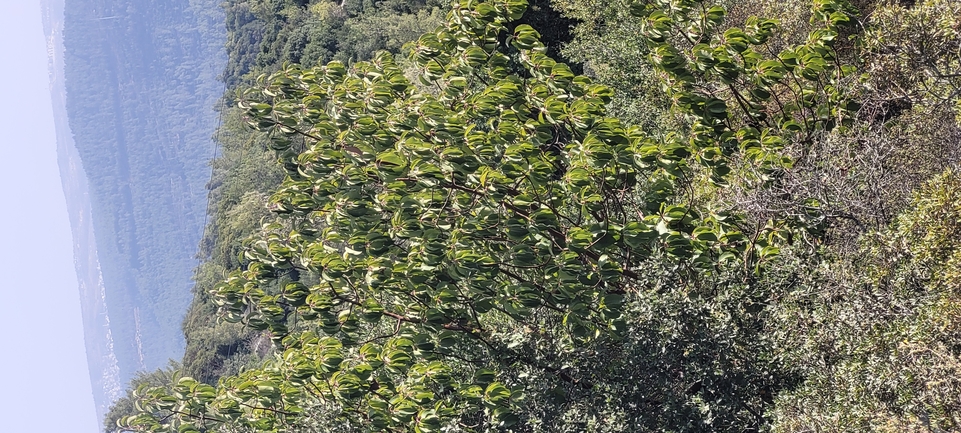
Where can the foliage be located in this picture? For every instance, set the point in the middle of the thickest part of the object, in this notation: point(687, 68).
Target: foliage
point(917, 50)
point(612, 45)
point(481, 239)
point(237, 210)
point(455, 239)
point(879, 348)
point(127, 404)
point(609, 45)
point(264, 34)
point(243, 174)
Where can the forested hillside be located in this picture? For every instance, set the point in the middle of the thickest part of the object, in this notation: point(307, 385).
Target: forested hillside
point(578, 216)
point(141, 82)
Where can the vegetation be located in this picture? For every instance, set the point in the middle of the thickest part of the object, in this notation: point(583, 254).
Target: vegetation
point(705, 221)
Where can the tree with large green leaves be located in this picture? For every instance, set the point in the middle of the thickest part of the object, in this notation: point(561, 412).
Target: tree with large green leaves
point(450, 247)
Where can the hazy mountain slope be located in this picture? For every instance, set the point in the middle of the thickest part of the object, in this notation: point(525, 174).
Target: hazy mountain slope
point(101, 361)
point(141, 83)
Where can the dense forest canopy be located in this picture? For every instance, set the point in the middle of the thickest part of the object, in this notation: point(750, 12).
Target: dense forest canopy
point(654, 216)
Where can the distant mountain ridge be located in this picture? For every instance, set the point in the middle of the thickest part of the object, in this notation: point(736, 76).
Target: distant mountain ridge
point(101, 360)
point(134, 84)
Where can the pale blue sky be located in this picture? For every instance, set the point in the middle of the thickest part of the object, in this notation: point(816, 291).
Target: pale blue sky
point(46, 388)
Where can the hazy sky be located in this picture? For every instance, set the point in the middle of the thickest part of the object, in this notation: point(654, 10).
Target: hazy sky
point(46, 388)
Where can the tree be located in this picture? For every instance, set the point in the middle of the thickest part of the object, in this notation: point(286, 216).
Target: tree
point(451, 247)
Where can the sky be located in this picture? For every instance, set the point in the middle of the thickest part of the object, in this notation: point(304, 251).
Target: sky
point(46, 387)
